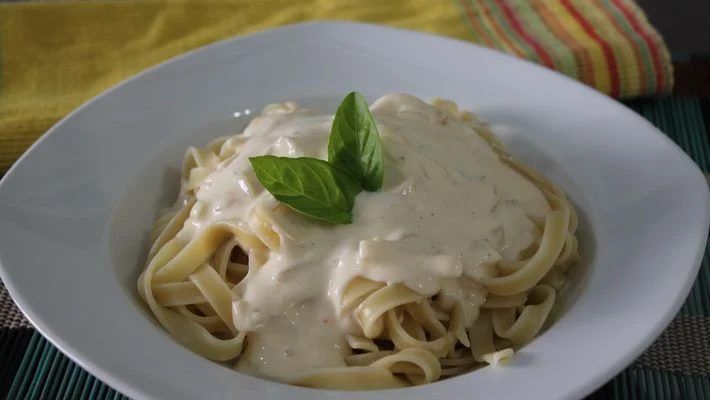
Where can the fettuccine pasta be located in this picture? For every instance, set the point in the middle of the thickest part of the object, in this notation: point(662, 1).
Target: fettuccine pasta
point(454, 264)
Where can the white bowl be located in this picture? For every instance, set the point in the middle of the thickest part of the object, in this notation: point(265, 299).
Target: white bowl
point(75, 210)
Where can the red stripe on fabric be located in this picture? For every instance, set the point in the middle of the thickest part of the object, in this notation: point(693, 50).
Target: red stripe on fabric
point(474, 23)
point(501, 33)
point(580, 53)
point(515, 23)
point(634, 45)
point(660, 78)
point(606, 48)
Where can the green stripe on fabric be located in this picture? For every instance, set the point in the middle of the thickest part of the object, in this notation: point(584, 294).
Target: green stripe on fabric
point(45, 373)
point(13, 342)
point(698, 301)
point(682, 120)
point(621, 45)
point(640, 24)
point(54, 381)
point(651, 384)
point(521, 31)
point(509, 32)
point(77, 382)
point(35, 385)
point(23, 373)
point(66, 379)
point(478, 17)
point(646, 60)
point(698, 132)
point(467, 22)
point(564, 59)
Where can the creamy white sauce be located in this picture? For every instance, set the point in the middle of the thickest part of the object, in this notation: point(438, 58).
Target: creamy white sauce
point(448, 210)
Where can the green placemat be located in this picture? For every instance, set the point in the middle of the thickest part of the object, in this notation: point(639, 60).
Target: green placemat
point(676, 366)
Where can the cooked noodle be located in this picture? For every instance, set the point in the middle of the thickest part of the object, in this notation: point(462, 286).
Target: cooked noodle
point(391, 333)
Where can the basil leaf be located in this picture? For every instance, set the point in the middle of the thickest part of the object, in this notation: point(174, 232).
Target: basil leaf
point(310, 186)
point(354, 144)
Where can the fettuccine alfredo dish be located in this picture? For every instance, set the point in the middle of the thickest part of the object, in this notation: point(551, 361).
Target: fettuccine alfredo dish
point(372, 249)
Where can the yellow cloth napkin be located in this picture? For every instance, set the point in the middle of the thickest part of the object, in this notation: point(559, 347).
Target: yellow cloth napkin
point(56, 55)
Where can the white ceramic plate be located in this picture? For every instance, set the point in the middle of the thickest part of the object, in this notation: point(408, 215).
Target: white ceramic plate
point(75, 210)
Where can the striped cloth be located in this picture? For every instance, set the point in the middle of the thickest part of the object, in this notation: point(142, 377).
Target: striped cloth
point(56, 55)
point(608, 44)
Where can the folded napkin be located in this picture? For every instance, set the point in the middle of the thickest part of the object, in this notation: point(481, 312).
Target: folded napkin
point(56, 55)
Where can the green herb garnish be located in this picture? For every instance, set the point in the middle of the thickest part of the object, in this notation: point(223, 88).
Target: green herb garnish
point(354, 143)
point(308, 185)
point(326, 190)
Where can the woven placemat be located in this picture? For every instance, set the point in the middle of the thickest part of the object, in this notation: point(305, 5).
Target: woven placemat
point(676, 366)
